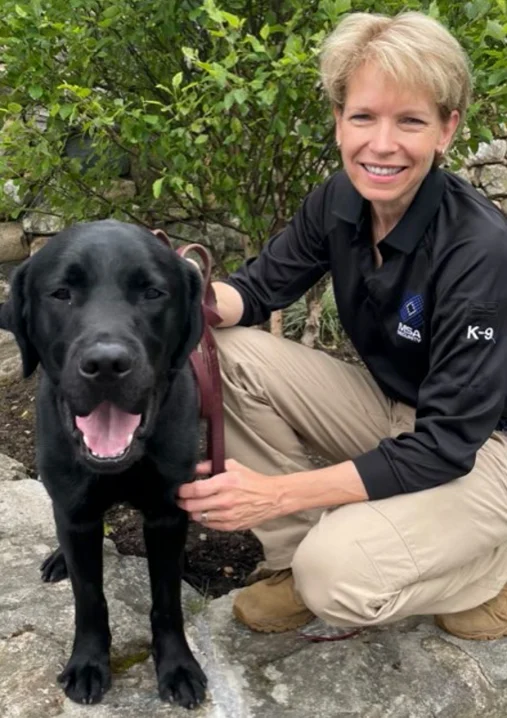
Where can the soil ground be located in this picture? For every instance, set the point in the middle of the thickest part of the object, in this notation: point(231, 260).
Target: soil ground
point(216, 562)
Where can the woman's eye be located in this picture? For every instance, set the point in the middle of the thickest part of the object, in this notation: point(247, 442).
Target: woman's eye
point(152, 293)
point(361, 117)
point(62, 293)
point(412, 121)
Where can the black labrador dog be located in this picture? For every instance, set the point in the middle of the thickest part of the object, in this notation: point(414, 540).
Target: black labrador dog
point(112, 314)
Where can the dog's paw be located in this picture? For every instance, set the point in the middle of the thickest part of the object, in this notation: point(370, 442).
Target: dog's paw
point(54, 568)
point(86, 681)
point(183, 684)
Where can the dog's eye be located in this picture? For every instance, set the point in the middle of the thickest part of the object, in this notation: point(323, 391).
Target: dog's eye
point(152, 293)
point(62, 293)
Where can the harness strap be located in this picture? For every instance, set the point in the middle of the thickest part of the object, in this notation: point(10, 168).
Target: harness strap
point(204, 360)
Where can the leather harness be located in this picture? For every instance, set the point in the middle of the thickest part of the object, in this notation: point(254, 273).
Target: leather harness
point(204, 360)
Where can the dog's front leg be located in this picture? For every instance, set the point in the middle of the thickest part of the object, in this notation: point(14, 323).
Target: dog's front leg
point(180, 678)
point(87, 675)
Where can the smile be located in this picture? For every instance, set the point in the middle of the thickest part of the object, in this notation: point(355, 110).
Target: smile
point(381, 171)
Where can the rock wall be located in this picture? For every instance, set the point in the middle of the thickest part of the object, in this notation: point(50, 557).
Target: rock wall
point(487, 170)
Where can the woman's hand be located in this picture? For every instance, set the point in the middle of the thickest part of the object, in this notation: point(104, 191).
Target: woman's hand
point(235, 500)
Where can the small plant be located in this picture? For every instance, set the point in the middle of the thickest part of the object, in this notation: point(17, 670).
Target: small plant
point(196, 604)
point(330, 332)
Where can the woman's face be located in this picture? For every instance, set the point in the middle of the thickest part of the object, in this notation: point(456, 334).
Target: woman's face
point(388, 137)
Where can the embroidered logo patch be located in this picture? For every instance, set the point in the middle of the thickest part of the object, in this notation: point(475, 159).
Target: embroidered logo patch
point(411, 318)
point(483, 320)
point(475, 333)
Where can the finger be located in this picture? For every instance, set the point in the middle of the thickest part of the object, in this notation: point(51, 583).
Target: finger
point(215, 521)
point(205, 517)
point(199, 489)
point(203, 468)
point(210, 503)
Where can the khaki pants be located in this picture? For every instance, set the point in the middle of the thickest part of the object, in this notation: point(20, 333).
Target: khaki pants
point(436, 551)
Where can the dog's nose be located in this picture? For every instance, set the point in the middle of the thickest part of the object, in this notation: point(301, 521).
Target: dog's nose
point(105, 361)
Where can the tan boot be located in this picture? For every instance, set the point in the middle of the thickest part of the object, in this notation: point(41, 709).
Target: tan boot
point(272, 605)
point(486, 622)
point(260, 572)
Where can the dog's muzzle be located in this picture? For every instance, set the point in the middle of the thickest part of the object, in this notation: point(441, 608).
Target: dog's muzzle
point(107, 402)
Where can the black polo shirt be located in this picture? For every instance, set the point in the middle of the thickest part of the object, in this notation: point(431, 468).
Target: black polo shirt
point(430, 324)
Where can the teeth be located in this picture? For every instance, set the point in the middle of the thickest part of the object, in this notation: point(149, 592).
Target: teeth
point(375, 170)
point(115, 456)
point(129, 439)
point(86, 440)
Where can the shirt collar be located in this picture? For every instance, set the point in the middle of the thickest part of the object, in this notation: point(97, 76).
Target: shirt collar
point(351, 206)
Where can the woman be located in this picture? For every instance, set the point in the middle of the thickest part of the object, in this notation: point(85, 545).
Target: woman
point(411, 516)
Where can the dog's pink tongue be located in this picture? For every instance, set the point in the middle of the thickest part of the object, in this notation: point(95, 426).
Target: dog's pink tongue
point(107, 431)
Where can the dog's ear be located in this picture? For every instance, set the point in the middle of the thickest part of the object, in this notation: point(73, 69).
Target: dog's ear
point(192, 312)
point(14, 314)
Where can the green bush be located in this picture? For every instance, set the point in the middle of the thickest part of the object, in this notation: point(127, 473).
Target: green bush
point(219, 110)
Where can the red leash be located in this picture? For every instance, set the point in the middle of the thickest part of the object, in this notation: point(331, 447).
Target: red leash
point(204, 361)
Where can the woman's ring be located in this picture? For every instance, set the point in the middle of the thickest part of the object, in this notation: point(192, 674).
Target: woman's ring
point(204, 516)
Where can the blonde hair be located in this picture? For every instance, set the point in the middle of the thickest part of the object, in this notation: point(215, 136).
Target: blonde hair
point(412, 48)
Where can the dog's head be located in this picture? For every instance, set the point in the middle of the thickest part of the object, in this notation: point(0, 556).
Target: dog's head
point(111, 313)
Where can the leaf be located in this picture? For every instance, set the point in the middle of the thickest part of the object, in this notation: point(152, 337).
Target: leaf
point(486, 134)
point(236, 125)
point(280, 127)
point(201, 139)
point(177, 79)
point(256, 45)
point(35, 92)
point(15, 108)
point(231, 59)
point(229, 100)
point(269, 95)
point(189, 53)
point(65, 110)
point(220, 74)
point(212, 11)
point(111, 11)
point(83, 92)
point(471, 10)
point(193, 191)
point(240, 96)
point(477, 9)
point(264, 32)
point(494, 29)
point(232, 20)
point(157, 187)
point(434, 10)
point(341, 6)
point(304, 130)
point(19, 11)
point(163, 87)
